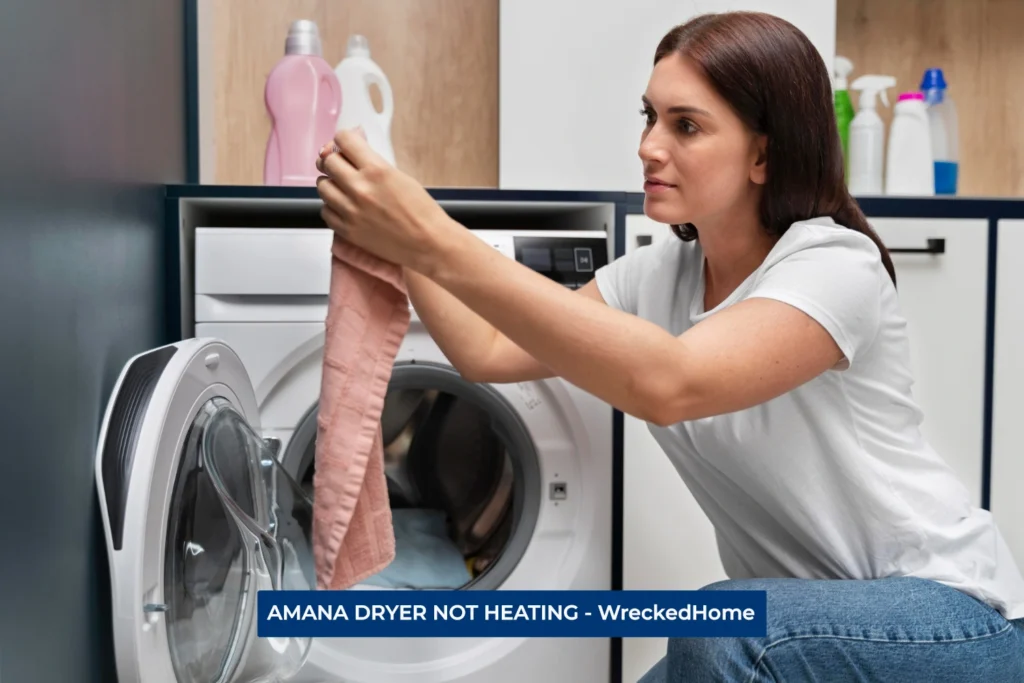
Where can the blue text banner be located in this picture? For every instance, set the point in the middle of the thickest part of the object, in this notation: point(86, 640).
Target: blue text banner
point(507, 613)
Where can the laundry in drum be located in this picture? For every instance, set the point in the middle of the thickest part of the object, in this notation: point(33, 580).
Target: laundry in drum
point(450, 484)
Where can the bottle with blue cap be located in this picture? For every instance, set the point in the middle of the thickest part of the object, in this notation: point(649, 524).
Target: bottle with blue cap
point(942, 120)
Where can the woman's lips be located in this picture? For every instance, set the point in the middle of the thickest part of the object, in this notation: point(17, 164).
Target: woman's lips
point(651, 185)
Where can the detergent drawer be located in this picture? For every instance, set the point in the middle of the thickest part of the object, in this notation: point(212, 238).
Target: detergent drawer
point(263, 261)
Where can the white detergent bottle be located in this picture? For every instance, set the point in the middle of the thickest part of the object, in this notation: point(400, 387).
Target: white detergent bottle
point(867, 136)
point(357, 73)
point(909, 170)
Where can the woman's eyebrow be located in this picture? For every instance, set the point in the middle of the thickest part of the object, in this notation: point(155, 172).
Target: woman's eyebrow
point(680, 109)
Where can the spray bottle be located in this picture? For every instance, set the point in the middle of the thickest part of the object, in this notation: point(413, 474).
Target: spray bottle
point(867, 136)
point(844, 107)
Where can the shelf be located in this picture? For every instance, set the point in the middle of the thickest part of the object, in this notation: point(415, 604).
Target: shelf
point(976, 44)
point(441, 57)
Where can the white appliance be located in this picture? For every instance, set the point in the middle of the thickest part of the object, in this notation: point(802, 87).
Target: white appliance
point(185, 465)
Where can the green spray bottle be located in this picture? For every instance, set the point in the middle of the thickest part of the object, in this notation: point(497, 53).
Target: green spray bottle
point(843, 106)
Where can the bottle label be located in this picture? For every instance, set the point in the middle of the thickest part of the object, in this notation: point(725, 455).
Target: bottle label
point(945, 177)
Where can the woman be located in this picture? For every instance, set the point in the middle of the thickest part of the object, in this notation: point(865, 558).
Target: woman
point(765, 347)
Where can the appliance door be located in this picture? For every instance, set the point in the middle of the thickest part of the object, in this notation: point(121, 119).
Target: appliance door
point(491, 487)
point(198, 518)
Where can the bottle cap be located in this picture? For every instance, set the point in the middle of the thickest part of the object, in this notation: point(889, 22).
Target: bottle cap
point(358, 46)
point(872, 85)
point(843, 67)
point(916, 95)
point(303, 39)
point(933, 78)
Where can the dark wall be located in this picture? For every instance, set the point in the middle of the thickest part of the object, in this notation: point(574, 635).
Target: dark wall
point(92, 124)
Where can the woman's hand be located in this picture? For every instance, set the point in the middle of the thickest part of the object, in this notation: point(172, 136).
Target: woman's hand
point(376, 207)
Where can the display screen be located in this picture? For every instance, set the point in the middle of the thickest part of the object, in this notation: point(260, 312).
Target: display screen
point(571, 261)
point(537, 258)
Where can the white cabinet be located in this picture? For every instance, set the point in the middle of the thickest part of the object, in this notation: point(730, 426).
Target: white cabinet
point(943, 297)
point(571, 73)
point(1007, 501)
point(668, 542)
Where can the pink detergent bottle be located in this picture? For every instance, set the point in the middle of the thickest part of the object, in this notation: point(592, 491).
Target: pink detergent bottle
point(303, 98)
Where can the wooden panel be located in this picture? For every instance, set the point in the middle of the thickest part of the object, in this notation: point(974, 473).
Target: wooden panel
point(441, 57)
point(976, 44)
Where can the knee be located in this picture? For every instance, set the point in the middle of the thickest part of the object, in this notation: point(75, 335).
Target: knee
point(711, 659)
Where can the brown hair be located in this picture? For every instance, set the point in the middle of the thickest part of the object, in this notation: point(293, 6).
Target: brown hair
point(778, 84)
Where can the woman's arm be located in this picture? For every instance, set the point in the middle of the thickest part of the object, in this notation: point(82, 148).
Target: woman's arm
point(477, 350)
point(745, 355)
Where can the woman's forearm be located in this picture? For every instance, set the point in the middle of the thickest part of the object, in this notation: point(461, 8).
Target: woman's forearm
point(473, 346)
point(464, 337)
point(602, 350)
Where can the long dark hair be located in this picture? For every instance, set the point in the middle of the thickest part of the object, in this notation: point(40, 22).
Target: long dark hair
point(773, 77)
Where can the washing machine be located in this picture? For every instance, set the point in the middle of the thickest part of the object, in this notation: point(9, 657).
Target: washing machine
point(205, 466)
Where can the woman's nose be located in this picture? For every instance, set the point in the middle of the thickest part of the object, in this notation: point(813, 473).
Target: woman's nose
point(652, 148)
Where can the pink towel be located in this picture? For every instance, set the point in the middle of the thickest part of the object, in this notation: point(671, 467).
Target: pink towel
point(368, 315)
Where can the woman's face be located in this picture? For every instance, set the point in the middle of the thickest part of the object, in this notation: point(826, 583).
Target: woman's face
point(700, 161)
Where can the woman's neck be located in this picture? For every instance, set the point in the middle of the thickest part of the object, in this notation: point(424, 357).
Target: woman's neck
point(733, 248)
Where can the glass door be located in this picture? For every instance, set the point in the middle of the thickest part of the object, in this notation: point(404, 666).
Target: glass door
point(199, 517)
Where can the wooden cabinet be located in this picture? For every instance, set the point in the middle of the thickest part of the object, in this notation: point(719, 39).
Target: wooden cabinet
point(943, 297)
point(1007, 501)
point(668, 542)
point(977, 45)
point(441, 57)
point(530, 94)
point(572, 73)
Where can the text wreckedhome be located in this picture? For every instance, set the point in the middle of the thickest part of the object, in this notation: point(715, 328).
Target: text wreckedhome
point(417, 612)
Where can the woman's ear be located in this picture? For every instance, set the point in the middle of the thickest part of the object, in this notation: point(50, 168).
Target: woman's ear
point(759, 169)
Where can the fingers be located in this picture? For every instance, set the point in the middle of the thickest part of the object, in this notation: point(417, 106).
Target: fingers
point(334, 198)
point(334, 221)
point(352, 145)
point(339, 169)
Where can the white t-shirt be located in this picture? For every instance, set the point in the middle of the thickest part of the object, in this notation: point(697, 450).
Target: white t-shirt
point(834, 478)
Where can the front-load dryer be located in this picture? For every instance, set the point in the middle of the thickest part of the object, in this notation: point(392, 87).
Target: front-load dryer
point(198, 517)
point(503, 486)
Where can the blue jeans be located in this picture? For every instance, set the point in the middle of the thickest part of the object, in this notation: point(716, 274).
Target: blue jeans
point(896, 629)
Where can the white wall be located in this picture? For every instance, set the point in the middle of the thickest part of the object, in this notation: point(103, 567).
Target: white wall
point(572, 73)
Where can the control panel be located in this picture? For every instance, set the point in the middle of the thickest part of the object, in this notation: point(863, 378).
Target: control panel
point(568, 257)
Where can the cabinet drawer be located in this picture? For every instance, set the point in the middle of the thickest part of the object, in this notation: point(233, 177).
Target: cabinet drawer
point(943, 296)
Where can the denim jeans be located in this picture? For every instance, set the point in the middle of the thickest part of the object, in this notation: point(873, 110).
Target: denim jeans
point(896, 629)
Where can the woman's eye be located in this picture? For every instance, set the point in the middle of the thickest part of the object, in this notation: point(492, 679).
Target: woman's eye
point(686, 126)
point(647, 114)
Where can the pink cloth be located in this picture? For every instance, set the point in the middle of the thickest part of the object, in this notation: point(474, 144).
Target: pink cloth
point(368, 315)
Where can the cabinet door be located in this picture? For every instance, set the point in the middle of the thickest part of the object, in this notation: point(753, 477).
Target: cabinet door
point(571, 73)
point(1007, 503)
point(943, 298)
point(668, 542)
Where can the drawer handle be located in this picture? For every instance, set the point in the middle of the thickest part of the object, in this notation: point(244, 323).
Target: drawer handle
point(936, 245)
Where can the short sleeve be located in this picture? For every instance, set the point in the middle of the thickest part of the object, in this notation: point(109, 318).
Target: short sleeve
point(835, 276)
point(619, 281)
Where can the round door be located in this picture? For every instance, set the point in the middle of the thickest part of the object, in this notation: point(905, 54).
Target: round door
point(198, 517)
point(463, 477)
point(489, 489)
